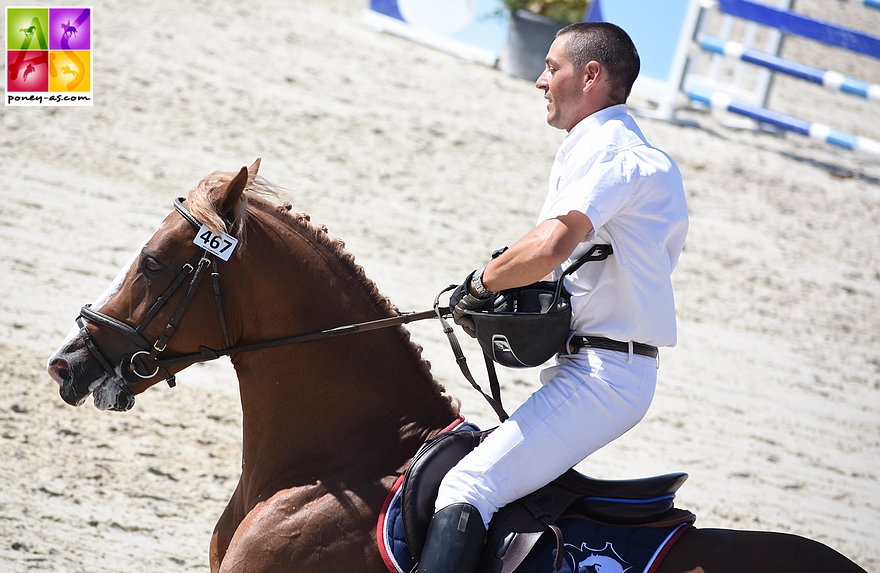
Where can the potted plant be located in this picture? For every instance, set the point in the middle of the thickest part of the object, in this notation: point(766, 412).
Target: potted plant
point(533, 26)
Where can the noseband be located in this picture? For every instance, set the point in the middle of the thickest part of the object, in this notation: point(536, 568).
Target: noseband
point(136, 367)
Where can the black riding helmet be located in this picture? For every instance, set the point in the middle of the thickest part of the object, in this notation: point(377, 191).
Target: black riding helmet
point(525, 327)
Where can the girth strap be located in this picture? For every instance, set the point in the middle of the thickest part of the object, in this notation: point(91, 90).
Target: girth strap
point(545, 517)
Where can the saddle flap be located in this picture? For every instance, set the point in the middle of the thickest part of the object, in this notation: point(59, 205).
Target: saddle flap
point(630, 489)
point(422, 481)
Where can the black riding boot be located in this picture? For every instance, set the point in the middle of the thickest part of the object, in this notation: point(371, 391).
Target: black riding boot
point(454, 540)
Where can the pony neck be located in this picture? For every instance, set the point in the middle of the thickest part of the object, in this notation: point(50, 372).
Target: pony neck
point(361, 403)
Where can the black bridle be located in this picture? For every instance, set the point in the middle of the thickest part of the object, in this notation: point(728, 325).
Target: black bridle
point(148, 360)
point(136, 366)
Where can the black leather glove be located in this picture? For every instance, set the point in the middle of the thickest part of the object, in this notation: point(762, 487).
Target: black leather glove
point(461, 301)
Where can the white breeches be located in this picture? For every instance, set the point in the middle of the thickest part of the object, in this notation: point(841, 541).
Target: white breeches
point(586, 400)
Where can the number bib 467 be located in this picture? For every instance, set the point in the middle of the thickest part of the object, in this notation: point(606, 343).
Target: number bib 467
point(219, 244)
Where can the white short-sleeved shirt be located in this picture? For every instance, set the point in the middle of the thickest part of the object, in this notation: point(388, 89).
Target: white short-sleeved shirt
point(634, 197)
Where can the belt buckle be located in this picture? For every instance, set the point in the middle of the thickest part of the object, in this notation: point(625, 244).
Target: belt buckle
point(572, 349)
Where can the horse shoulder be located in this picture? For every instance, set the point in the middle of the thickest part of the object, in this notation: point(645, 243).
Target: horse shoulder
point(304, 530)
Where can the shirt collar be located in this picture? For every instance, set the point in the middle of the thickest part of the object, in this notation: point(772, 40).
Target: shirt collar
point(590, 123)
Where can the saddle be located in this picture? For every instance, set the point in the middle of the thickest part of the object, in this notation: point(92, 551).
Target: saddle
point(516, 528)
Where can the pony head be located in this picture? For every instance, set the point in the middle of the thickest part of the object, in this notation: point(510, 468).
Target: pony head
point(108, 355)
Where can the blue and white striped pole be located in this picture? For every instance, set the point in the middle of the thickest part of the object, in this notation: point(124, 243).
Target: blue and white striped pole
point(826, 78)
point(818, 131)
point(790, 22)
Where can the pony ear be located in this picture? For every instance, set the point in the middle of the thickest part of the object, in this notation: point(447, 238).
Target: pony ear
point(228, 196)
point(252, 171)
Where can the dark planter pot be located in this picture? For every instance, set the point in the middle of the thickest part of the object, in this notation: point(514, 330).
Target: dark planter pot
point(528, 40)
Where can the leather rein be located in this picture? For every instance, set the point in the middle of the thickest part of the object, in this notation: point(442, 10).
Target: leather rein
point(148, 361)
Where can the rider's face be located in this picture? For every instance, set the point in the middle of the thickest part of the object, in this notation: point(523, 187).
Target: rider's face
point(563, 87)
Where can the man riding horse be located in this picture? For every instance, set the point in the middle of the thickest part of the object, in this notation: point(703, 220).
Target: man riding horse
point(607, 186)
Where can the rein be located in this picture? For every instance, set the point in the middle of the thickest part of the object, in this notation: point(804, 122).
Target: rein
point(137, 363)
point(206, 353)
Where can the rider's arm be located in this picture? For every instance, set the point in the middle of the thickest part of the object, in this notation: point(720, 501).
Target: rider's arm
point(538, 252)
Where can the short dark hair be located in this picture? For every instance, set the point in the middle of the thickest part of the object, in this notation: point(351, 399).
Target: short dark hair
point(611, 47)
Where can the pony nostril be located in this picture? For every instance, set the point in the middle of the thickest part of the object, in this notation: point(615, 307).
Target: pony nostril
point(59, 371)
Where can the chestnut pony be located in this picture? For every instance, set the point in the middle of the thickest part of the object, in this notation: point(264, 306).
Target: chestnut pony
point(327, 425)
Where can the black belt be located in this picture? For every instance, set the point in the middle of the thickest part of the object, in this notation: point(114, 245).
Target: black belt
point(575, 343)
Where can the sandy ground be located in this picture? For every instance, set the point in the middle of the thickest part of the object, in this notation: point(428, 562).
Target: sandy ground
point(424, 164)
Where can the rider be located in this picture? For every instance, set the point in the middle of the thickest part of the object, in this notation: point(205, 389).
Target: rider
point(607, 186)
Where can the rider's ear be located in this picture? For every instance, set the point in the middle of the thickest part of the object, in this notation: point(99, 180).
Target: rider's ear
point(228, 196)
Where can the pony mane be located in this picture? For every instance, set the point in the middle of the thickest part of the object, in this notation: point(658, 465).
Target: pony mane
point(259, 194)
point(320, 236)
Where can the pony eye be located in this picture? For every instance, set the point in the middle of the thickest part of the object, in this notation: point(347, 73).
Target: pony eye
point(151, 265)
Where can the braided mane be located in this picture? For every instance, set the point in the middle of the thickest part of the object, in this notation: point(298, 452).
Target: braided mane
point(320, 236)
point(258, 195)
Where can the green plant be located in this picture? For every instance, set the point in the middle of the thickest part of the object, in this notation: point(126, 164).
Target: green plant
point(562, 11)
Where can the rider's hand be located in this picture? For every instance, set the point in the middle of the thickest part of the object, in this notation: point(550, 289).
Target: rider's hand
point(463, 299)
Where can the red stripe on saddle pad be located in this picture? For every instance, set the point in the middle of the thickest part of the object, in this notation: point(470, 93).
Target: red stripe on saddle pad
point(667, 545)
point(380, 526)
